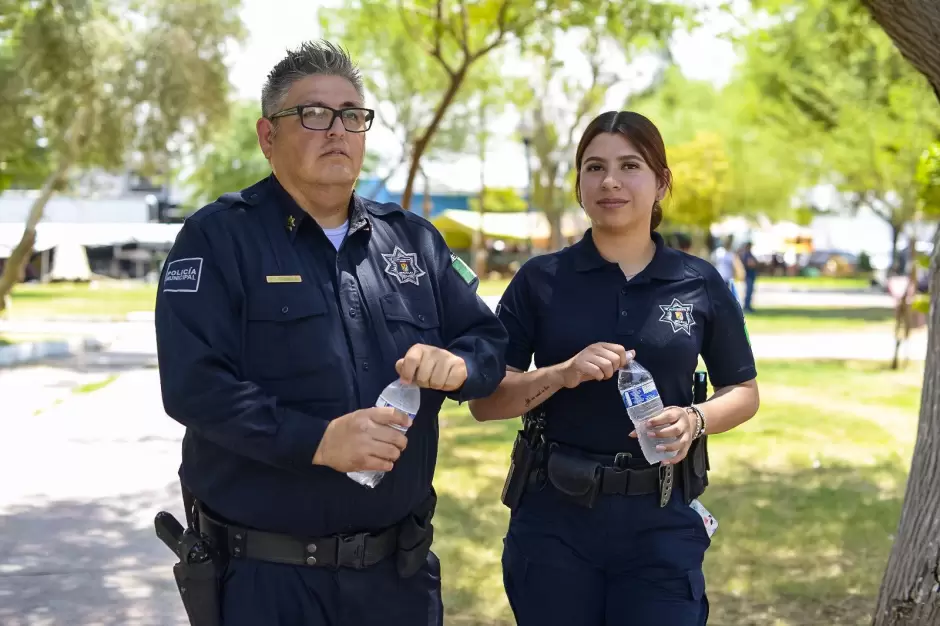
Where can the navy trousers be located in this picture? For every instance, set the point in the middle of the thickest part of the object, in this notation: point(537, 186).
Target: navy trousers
point(257, 593)
point(625, 562)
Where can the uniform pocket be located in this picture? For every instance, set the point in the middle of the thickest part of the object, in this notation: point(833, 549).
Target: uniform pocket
point(675, 584)
point(411, 320)
point(287, 333)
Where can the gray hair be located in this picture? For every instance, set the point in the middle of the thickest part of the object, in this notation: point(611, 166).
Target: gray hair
point(312, 57)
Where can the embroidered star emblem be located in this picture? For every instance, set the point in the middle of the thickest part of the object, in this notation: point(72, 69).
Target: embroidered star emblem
point(403, 266)
point(678, 315)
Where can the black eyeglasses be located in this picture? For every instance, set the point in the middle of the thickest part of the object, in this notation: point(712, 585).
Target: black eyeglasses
point(319, 117)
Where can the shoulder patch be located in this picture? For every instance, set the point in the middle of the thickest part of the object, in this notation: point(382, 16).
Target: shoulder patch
point(183, 275)
point(463, 270)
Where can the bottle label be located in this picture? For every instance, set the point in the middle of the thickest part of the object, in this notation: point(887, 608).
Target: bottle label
point(639, 394)
point(382, 402)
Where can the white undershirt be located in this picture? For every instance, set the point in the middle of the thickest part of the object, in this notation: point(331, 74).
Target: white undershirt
point(336, 235)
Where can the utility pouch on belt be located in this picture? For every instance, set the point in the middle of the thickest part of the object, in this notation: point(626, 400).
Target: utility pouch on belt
point(526, 451)
point(415, 535)
point(576, 477)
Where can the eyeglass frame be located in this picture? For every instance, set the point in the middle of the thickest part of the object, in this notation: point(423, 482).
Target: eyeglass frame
point(299, 110)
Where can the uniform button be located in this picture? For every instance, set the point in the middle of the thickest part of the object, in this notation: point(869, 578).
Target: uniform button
point(311, 548)
point(365, 366)
point(352, 312)
point(623, 290)
point(284, 310)
point(311, 560)
point(420, 318)
point(623, 314)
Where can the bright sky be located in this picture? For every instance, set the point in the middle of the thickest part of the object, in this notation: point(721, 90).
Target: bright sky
point(701, 54)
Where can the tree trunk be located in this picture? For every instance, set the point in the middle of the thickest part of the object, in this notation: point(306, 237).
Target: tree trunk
point(478, 248)
point(910, 589)
point(556, 237)
point(914, 26)
point(13, 270)
point(422, 143)
point(426, 204)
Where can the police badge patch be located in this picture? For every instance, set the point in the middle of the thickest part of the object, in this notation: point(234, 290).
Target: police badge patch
point(403, 266)
point(678, 315)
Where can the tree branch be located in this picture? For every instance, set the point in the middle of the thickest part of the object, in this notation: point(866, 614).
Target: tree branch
point(436, 50)
point(464, 28)
point(588, 101)
point(501, 31)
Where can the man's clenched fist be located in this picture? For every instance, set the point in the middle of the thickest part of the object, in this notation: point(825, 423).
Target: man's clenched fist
point(432, 368)
point(363, 440)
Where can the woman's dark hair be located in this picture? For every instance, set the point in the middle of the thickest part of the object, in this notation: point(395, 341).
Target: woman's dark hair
point(639, 131)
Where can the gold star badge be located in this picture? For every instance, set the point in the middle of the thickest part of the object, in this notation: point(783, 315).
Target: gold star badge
point(291, 222)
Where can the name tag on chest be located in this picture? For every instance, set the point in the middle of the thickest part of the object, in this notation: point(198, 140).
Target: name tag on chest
point(283, 279)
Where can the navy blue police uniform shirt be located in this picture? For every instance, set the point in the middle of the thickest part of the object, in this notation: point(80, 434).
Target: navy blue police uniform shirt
point(677, 308)
point(265, 333)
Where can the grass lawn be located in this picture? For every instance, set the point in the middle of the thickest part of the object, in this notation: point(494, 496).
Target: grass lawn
point(807, 495)
point(108, 299)
point(818, 282)
point(820, 320)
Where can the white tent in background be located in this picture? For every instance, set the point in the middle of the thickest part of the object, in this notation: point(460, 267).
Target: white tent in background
point(70, 262)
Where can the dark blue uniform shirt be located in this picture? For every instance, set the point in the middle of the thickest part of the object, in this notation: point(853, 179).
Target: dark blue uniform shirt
point(677, 308)
point(265, 333)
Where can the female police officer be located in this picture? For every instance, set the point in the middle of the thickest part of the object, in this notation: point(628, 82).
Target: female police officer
point(600, 537)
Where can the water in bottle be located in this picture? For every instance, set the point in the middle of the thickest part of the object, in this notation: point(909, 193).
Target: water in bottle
point(399, 395)
point(641, 398)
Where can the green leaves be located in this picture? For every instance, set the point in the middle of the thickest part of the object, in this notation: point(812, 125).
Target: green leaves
point(231, 159)
point(703, 179)
point(132, 80)
point(839, 93)
point(928, 180)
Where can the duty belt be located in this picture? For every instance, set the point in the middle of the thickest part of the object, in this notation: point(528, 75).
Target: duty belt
point(356, 551)
point(611, 473)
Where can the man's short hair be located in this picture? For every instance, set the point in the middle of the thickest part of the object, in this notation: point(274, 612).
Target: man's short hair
point(310, 58)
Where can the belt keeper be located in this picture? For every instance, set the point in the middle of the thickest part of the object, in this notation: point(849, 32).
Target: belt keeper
point(666, 476)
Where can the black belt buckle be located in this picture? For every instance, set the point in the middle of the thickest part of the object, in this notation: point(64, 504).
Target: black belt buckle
point(666, 480)
point(351, 551)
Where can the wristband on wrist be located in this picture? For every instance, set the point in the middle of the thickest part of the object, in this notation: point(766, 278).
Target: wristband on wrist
point(700, 421)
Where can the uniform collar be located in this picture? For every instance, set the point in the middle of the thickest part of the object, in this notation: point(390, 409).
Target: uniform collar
point(294, 216)
point(667, 263)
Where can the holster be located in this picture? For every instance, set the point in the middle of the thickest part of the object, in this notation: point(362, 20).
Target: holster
point(415, 535)
point(576, 477)
point(526, 454)
point(695, 468)
point(199, 571)
point(198, 584)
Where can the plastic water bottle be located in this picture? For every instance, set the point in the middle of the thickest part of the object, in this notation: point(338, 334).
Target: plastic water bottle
point(399, 395)
point(641, 398)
